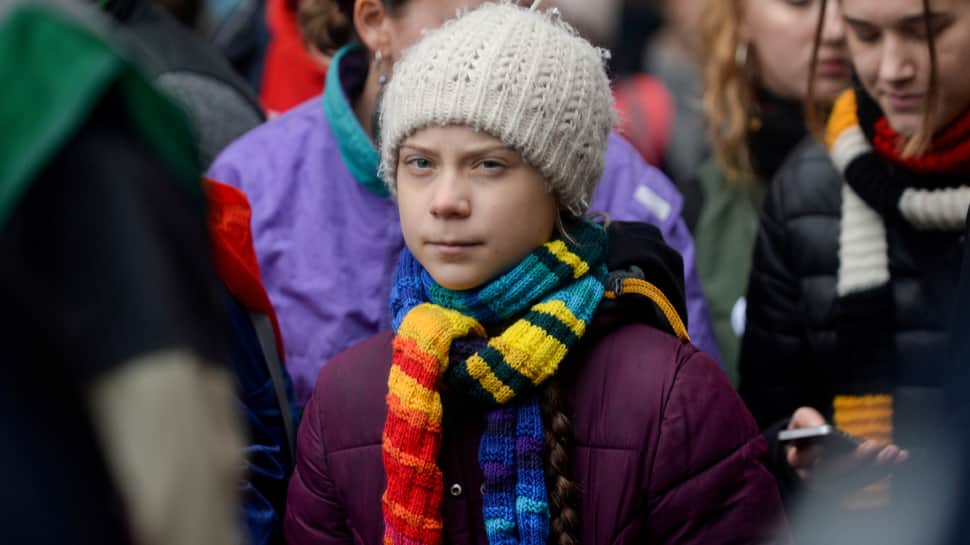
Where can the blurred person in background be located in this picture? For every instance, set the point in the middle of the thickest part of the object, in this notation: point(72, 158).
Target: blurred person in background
point(239, 29)
point(858, 255)
point(118, 416)
point(671, 56)
point(312, 179)
point(220, 104)
point(757, 56)
point(295, 70)
point(220, 107)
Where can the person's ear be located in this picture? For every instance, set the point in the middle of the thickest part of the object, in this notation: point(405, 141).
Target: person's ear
point(372, 23)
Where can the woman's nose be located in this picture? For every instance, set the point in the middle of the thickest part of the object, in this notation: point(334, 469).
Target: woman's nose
point(833, 28)
point(450, 198)
point(895, 66)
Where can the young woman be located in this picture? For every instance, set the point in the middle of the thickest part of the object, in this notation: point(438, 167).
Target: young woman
point(859, 249)
point(522, 396)
point(311, 178)
point(756, 59)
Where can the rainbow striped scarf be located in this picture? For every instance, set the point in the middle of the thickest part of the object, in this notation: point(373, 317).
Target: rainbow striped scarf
point(441, 334)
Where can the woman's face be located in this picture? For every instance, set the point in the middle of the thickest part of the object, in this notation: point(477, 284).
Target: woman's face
point(471, 208)
point(781, 34)
point(890, 51)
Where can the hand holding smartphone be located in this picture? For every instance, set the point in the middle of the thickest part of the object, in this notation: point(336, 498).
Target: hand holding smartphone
point(826, 457)
point(831, 439)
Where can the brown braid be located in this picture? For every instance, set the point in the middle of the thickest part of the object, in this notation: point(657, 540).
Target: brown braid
point(564, 520)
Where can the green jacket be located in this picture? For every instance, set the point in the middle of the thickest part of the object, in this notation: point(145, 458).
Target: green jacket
point(724, 239)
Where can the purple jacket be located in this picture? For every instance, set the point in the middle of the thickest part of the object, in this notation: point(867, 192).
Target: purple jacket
point(328, 242)
point(664, 450)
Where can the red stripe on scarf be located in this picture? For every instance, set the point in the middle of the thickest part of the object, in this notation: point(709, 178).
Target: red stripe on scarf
point(416, 363)
point(949, 153)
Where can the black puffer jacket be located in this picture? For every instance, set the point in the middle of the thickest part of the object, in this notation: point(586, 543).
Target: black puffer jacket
point(788, 354)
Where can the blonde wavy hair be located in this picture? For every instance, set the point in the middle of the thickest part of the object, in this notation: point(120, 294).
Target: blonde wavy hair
point(728, 97)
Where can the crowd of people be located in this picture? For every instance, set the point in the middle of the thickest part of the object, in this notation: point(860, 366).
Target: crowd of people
point(416, 272)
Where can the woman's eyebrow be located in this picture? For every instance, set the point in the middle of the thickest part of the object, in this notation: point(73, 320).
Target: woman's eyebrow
point(905, 21)
point(933, 16)
point(418, 148)
point(488, 148)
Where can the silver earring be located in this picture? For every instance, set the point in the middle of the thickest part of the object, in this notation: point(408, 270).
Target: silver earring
point(741, 55)
point(378, 61)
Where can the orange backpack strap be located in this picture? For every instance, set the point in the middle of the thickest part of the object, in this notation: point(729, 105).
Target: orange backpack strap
point(626, 284)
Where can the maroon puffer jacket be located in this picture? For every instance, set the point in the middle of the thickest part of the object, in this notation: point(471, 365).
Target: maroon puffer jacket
point(665, 451)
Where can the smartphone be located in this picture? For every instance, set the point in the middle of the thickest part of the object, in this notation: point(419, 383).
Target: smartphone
point(828, 437)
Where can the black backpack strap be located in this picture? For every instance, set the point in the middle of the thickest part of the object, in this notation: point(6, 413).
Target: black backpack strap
point(267, 342)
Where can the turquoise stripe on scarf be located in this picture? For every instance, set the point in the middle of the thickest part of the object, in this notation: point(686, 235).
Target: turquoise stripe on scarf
point(358, 152)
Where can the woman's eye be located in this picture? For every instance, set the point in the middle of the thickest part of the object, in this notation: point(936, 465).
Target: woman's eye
point(491, 165)
point(864, 33)
point(419, 163)
point(799, 3)
point(918, 31)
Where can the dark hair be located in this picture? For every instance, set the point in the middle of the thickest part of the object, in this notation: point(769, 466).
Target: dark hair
point(917, 143)
point(329, 24)
point(564, 522)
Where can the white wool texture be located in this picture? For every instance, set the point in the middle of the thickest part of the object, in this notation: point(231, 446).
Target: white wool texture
point(519, 74)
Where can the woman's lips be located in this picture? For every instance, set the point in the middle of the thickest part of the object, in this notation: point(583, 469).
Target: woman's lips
point(833, 68)
point(905, 102)
point(451, 248)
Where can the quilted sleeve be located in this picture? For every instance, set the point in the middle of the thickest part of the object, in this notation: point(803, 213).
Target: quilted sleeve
point(708, 483)
point(315, 514)
point(774, 363)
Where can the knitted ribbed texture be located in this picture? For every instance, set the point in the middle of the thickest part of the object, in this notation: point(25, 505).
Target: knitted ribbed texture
point(949, 151)
point(869, 416)
point(435, 328)
point(871, 195)
point(519, 74)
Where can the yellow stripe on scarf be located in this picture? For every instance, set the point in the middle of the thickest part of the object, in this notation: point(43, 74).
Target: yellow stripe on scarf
point(479, 370)
point(433, 328)
point(413, 395)
point(843, 116)
point(522, 344)
point(868, 417)
point(562, 313)
point(559, 249)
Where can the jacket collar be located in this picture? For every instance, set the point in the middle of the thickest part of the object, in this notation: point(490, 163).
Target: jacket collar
point(347, 73)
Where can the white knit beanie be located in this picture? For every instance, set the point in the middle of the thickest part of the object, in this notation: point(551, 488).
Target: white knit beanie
point(519, 74)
